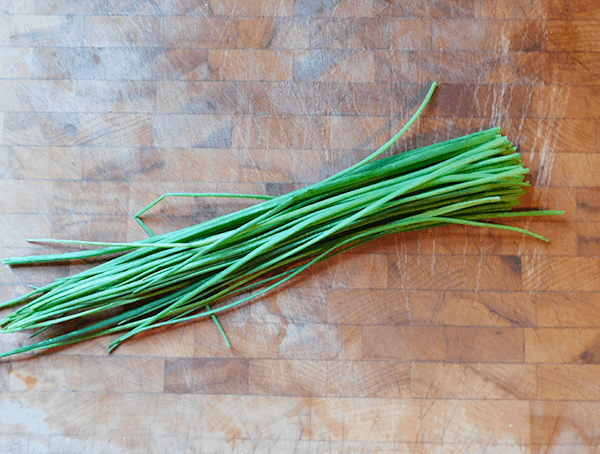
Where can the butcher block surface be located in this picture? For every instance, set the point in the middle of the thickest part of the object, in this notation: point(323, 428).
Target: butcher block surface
point(452, 340)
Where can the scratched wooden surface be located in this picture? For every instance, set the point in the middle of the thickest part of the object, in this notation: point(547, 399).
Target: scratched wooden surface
point(454, 340)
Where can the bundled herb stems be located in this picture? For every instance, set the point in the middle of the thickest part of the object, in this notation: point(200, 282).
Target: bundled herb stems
point(178, 276)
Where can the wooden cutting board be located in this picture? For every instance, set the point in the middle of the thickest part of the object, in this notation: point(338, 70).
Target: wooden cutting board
point(450, 340)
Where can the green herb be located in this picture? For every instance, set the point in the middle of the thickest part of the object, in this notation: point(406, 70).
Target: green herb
point(175, 277)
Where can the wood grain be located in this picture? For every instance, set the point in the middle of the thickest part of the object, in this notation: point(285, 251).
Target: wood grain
point(452, 340)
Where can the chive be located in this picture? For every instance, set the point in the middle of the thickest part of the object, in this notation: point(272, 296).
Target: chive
point(219, 264)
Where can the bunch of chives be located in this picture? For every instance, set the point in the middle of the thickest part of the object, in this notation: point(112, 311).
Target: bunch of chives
point(176, 277)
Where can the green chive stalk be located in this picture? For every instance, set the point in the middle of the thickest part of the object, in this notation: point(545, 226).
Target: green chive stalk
point(229, 260)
